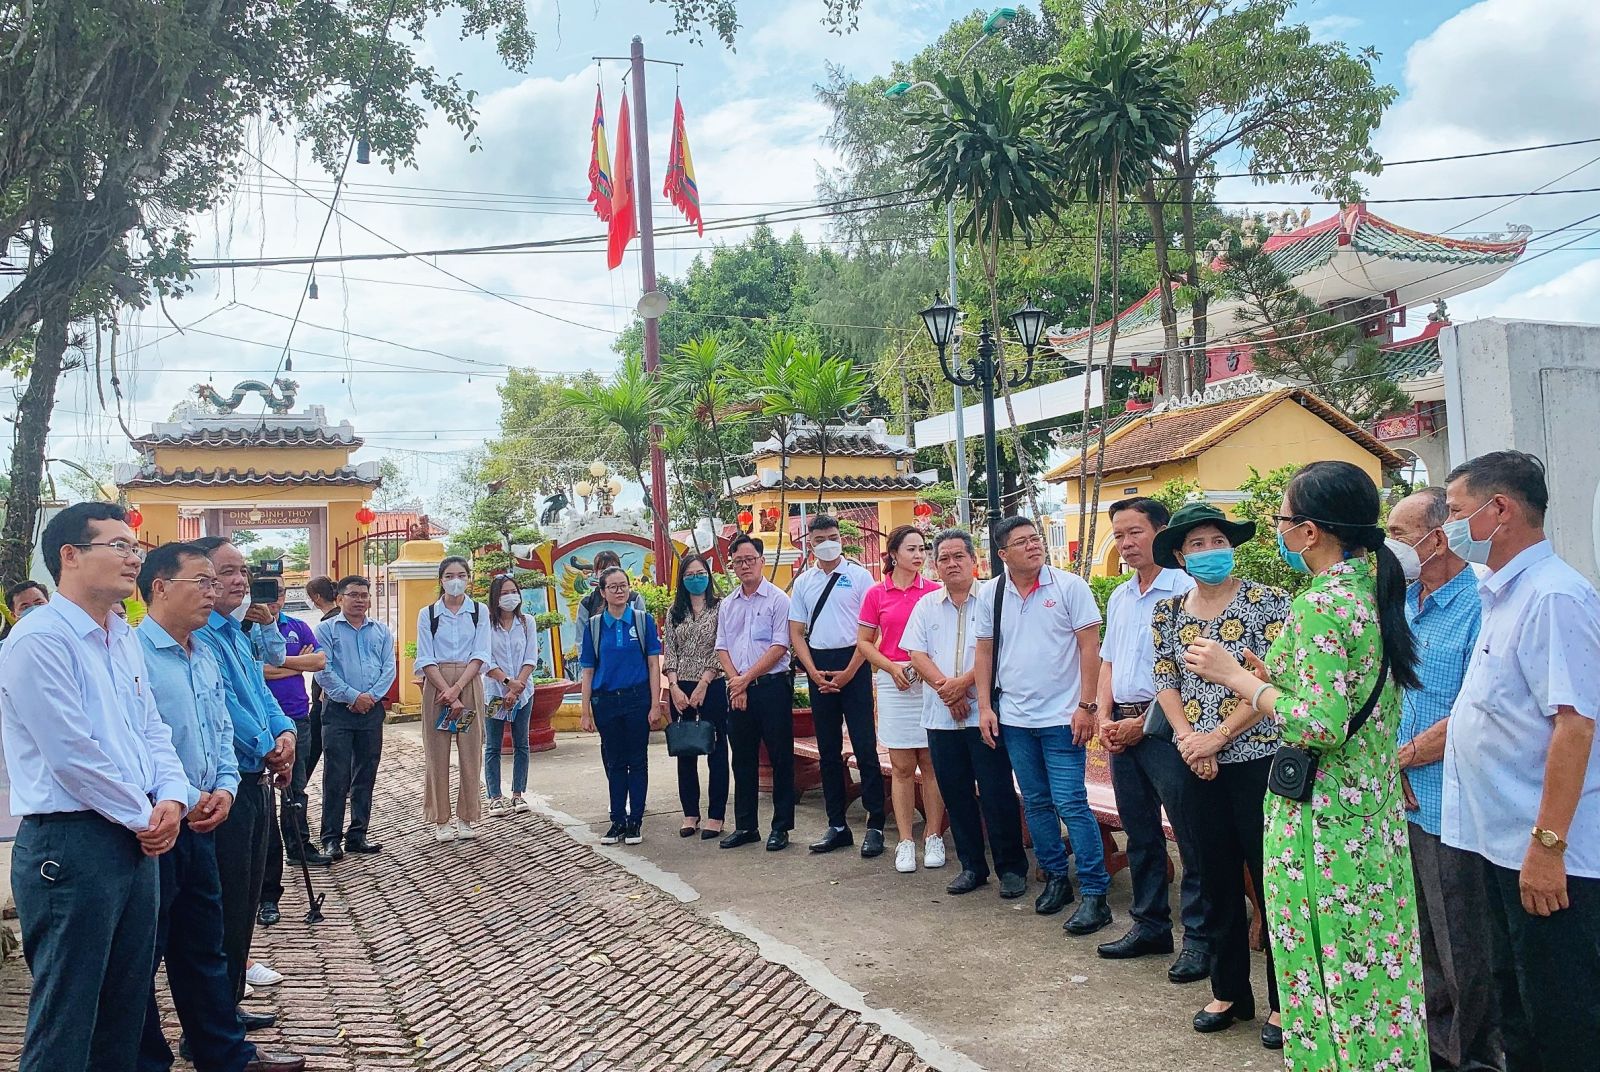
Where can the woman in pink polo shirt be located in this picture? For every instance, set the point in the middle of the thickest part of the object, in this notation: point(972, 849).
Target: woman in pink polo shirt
point(884, 612)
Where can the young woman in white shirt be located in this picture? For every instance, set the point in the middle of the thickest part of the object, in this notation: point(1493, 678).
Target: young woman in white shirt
point(513, 651)
point(452, 650)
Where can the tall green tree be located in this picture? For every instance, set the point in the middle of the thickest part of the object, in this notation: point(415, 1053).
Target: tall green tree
point(825, 390)
point(630, 405)
point(774, 388)
point(707, 409)
point(545, 443)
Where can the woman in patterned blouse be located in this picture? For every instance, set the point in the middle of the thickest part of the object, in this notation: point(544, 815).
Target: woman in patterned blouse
point(695, 688)
point(1227, 745)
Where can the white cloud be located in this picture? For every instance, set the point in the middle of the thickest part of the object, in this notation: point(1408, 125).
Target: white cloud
point(1332, 27)
point(1571, 297)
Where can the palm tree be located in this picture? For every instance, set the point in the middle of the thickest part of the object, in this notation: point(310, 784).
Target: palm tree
point(824, 388)
point(630, 403)
point(1113, 112)
point(773, 388)
point(702, 386)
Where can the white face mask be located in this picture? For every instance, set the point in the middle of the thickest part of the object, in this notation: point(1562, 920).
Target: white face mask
point(510, 601)
point(827, 550)
point(1410, 562)
point(455, 586)
point(238, 613)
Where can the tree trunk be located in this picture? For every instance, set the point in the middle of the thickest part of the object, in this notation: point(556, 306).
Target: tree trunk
point(1171, 359)
point(1195, 366)
point(33, 429)
point(1088, 385)
point(822, 471)
point(781, 427)
point(1111, 353)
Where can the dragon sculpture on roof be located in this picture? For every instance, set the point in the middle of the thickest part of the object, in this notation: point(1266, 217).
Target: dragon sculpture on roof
point(279, 397)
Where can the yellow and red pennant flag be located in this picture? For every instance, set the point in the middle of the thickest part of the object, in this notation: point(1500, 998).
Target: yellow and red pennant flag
point(599, 162)
point(681, 188)
point(624, 222)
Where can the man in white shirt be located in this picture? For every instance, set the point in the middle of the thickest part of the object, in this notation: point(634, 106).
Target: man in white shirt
point(941, 640)
point(1032, 692)
point(102, 791)
point(825, 604)
point(1521, 772)
point(1146, 770)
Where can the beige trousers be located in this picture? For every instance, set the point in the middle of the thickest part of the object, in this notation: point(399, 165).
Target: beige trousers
point(436, 754)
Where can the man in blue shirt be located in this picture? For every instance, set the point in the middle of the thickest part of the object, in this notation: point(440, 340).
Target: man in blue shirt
point(621, 660)
point(179, 585)
point(263, 744)
point(361, 667)
point(1445, 612)
point(101, 792)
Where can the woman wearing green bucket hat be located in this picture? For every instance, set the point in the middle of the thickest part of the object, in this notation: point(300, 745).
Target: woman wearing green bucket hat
point(1227, 745)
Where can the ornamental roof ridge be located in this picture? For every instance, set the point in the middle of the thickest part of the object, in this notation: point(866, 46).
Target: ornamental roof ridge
point(869, 439)
point(1250, 385)
point(194, 426)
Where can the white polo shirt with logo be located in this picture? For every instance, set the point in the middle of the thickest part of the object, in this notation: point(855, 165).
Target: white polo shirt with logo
point(948, 635)
point(837, 624)
point(1040, 681)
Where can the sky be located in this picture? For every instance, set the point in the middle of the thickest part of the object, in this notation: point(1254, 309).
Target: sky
point(411, 355)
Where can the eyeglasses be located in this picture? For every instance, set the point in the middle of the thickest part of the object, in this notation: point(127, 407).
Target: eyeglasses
point(202, 584)
point(1285, 519)
point(617, 587)
point(744, 560)
point(1026, 542)
point(123, 548)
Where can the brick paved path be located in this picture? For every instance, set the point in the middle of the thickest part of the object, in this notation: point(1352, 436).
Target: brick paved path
point(520, 950)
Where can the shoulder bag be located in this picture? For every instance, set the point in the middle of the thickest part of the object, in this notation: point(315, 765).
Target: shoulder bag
point(1294, 770)
point(994, 647)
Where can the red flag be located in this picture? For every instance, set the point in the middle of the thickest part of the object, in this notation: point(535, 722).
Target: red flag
point(681, 188)
point(599, 162)
point(624, 223)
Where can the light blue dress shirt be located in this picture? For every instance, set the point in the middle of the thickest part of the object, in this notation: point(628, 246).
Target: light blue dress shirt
point(1130, 644)
point(257, 718)
point(267, 643)
point(457, 639)
point(192, 701)
point(359, 660)
point(79, 720)
point(1446, 631)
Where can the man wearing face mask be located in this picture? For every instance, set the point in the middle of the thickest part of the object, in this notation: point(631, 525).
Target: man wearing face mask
point(1521, 772)
point(1443, 608)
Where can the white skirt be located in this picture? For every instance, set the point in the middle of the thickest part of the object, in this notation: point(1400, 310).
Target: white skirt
point(899, 714)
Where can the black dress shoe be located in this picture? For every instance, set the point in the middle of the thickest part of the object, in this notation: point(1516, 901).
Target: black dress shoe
point(267, 914)
point(1207, 1022)
point(710, 835)
point(1272, 1036)
point(1136, 943)
point(836, 837)
point(872, 844)
point(740, 837)
point(1093, 915)
point(332, 849)
point(689, 831)
point(309, 856)
point(1057, 895)
point(362, 845)
point(275, 1062)
point(966, 882)
point(1190, 967)
point(778, 841)
point(1013, 886)
point(256, 1021)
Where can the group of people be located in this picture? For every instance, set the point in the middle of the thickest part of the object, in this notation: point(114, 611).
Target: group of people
point(1397, 764)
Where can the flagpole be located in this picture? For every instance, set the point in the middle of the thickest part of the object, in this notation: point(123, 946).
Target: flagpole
point(643, 191)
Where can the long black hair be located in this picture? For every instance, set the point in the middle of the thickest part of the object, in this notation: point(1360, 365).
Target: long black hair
point(680, 598)
point(496, 583)
point(455, 560)
point(1341, 500)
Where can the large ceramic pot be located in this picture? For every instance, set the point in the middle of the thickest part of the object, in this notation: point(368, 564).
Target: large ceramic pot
point(546, 698)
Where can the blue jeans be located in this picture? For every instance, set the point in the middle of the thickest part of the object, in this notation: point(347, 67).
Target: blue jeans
point(1050, 770)
point(622, 718)
point(492, 735)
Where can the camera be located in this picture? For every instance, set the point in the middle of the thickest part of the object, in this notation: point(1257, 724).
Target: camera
point(1292, 774)
point(266, 581)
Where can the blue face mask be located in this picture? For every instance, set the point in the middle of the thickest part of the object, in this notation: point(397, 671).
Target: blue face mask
point(697, 583)
point(1210, 567)
point(1295, 560)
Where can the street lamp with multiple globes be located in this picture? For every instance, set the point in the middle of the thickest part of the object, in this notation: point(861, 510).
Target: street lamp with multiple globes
point(980, 371)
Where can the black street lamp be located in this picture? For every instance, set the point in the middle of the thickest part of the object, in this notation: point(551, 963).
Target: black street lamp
point(940, 320)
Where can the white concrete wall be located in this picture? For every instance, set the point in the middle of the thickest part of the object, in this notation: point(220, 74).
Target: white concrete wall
point(1533, 386)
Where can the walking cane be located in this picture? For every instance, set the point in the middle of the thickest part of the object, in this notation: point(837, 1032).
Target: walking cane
point(313, 899)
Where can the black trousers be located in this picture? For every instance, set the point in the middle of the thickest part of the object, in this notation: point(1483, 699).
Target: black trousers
point(714, 711)
point(290, 832)
point(314, 724)
point(87, 897)
point(961, 761)
point(1227, 816)
point(1147, 777)
point(189, 937)
point(1547, 973)
point(352, 745)
point(832, 712)
point(241, 866)
point(768, 718)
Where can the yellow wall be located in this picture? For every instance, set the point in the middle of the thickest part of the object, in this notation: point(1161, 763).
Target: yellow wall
point(802, 466)
point(262, 459)
point(1287, 434)
point(1147, 481)
point(160, 523)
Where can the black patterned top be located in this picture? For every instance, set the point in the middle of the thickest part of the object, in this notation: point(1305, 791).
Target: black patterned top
point(1252, 621)
point(689, 647)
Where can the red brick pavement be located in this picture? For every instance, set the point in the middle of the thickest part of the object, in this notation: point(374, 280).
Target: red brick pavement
point(521, 950)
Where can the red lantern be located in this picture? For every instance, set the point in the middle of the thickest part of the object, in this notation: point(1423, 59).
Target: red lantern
point(365, 516)
point(770, 515)
point(923, 509)
point(135, 518)
point(745, 517)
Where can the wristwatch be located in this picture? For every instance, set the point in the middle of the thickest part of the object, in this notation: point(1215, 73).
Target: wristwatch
point(1550, 839)
point(1089, 706)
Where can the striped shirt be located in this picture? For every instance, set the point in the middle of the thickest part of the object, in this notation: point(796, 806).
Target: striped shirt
point(1446, 629)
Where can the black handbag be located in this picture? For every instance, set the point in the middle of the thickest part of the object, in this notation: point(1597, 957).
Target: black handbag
point(690, 737)
point(1293, 773)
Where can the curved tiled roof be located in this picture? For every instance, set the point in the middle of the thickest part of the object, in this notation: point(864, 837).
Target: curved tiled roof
point(251, 437)
point(908, 482)
point(848, 442)
point(344, 475)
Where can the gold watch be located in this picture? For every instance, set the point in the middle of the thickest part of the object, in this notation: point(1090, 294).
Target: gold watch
point(1549, 839)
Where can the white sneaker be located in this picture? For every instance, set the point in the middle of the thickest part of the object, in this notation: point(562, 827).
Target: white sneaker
point(444, 833)
point(933, 851)
point(498, 806)
point(905, 857)
point(518, 804)
point(249, 991)
point(261, 975)
point(464, 830)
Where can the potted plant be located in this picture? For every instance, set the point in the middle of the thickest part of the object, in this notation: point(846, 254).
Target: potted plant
point(1141, 397)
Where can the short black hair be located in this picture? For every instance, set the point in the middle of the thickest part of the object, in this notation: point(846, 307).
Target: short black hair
point(1507, 472)
point(1008, 525)
point(163, 564)
point(71, 526)
point(822, 521)
point(20, 587)
point(955, 534)
point(743, 539)
point(1153, 509)
point(350, 581)
point(208, 544)
point(321, 588)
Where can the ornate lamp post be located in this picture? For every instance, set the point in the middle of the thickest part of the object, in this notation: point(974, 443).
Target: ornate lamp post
point(980, 371)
